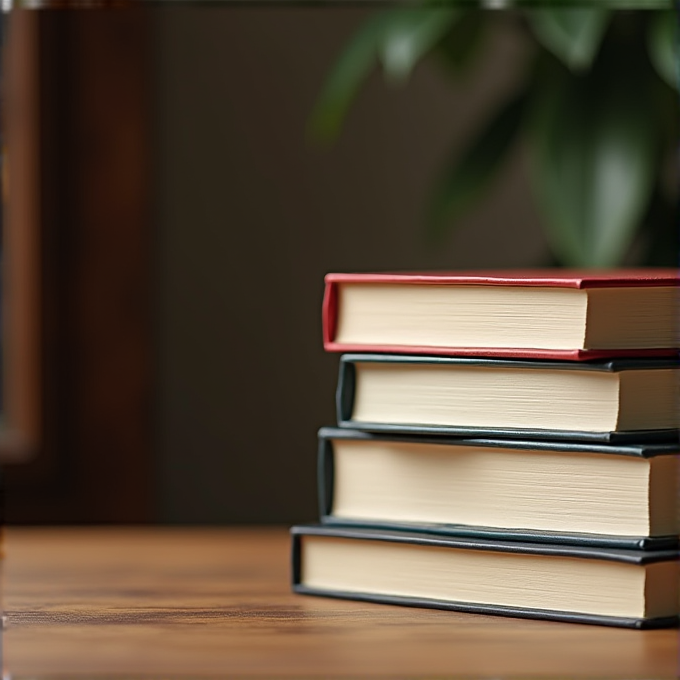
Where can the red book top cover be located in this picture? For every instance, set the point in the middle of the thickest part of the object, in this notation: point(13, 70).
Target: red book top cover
point(558, 278)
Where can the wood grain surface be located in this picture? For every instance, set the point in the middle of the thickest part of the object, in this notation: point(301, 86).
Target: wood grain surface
point(167, 602)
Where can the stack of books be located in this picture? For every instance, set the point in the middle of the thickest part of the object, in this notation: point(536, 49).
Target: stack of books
point(506, 444)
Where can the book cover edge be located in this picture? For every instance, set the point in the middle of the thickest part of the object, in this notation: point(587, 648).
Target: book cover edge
point(635, 448)
point(624, 555)
point(553, 278)
point(607, 365)
point(463, 531)
point(612, 437)
point(492, 610)
point(578, 355)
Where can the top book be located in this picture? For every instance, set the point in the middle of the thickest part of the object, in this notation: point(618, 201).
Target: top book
point(541, 314)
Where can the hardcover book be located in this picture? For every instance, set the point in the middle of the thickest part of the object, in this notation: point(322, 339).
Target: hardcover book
point(616, 400)
point(552, 492)
point(628, 588)
point(549, 314)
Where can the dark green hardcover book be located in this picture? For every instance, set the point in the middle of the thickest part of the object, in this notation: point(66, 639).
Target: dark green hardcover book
point(610, 401)
point(628, 588)
point(574, 493)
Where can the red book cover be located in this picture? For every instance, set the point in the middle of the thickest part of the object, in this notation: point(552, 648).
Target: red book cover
point(557, 278)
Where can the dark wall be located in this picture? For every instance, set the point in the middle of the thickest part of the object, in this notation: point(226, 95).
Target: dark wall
point(251, 216)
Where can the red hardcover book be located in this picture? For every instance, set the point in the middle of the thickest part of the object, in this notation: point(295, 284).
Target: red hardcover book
point(536, 314)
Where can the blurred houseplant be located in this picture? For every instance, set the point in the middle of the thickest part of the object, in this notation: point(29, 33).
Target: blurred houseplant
point(597, 105)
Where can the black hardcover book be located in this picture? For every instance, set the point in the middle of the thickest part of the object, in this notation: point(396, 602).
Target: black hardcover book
point(627, 588)
point(573, 493)
point(631, 400)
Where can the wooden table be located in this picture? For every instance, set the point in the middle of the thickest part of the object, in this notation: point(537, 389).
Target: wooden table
point(188, 602)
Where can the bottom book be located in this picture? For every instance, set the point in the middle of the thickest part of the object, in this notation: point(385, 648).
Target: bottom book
point(629, 588)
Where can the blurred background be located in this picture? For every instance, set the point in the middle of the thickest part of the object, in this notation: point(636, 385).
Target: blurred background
point(170, 217)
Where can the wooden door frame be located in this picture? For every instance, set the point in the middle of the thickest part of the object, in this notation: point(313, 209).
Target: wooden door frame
point(21, 300)
point(78, 243)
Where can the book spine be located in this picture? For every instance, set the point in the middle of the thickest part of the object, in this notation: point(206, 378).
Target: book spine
point(325, 476)
point(344, 396)
point(329, 314)
point(295, 559)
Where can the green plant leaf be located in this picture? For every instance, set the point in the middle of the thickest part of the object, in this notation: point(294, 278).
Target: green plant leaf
point(595, 147)
point(398, 37)
point(410, 35)
point(344, 80)
point(580, 4)
point(573, 35)
point(464, 179)
point(662, 41)
point(462, 42)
